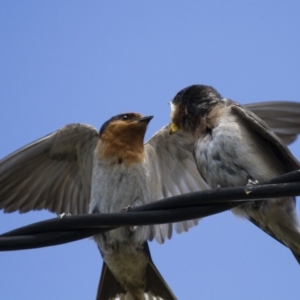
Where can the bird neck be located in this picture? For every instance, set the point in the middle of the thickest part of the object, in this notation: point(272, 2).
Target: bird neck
point(208, 122)
point(122, 148)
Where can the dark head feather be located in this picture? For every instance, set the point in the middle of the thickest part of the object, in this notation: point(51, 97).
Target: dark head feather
point(191, 104)
point(197, 99)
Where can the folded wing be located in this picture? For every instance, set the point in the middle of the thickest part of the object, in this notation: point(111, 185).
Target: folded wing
point(282, 117)
point(262, 128)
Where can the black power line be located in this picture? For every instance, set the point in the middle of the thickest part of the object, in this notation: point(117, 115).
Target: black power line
point(174, 209)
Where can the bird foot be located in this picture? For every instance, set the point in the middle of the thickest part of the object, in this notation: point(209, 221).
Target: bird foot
point(64, 215)
point(126, 209)
point(252, 182)
point(132, 228)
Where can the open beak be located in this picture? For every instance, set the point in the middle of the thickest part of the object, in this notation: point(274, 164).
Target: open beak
point(145, 119)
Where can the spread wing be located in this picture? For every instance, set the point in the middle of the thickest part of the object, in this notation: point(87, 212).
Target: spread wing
point(282, 117)
point(266, 132)
point(51, 173)
point(172, 171)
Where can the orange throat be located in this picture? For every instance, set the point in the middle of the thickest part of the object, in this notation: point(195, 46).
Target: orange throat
point(122, 149)
point(119, 153)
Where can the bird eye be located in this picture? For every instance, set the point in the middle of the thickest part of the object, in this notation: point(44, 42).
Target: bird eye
point(124, 117)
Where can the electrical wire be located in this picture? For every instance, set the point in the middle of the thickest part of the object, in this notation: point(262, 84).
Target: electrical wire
point(173, 209)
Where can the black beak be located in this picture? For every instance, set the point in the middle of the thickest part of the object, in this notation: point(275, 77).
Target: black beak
point(145, 119)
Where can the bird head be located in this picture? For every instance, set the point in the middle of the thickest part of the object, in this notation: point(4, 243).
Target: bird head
point(190, 105)
point(125, 125)
point(123, 134)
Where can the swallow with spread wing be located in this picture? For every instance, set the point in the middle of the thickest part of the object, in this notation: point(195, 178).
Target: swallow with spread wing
point(78, 170)
point(234, 147)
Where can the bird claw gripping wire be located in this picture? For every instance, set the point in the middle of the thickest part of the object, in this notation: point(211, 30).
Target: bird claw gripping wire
point(127, 209)
point(64, 215)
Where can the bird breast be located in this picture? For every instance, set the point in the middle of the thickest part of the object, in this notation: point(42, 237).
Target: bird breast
point(116, 186)
point(231, 153)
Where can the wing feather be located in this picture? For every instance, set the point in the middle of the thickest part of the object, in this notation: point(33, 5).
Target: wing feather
point(51, 173)
point(261, 127)
point(281, 116)
point(172, 171)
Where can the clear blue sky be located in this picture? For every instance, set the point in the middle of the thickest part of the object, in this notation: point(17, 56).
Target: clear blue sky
point(85, 61)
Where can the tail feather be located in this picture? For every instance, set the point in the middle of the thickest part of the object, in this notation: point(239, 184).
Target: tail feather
point(108, 287)
point(156, 287)
point(155, 284)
